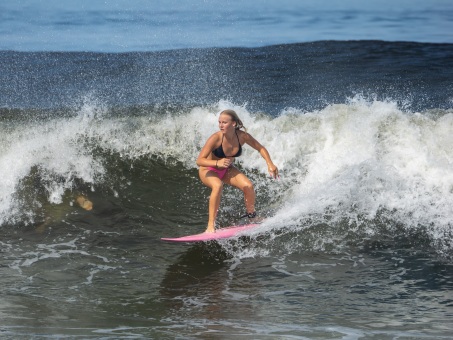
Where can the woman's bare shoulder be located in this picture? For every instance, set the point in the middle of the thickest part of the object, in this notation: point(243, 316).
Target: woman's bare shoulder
point(214, 138)
point(216, 135)
point(243, 134)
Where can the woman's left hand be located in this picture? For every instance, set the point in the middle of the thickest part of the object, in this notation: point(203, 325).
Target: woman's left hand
point(273, 171)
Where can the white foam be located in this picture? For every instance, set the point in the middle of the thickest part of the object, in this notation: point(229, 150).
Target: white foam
point(366, 158)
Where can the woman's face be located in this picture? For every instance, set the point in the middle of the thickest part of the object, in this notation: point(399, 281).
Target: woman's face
point(226, 123)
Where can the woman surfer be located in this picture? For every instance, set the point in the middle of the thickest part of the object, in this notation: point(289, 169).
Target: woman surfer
point(216, 164)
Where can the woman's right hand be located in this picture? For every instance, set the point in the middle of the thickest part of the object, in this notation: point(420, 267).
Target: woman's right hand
point(224, 163)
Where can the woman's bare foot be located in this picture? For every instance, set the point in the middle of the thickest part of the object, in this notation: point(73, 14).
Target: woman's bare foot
point(257, 220)
point(210, 230)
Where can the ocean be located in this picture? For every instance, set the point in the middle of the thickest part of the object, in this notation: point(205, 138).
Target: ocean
point(104, 108)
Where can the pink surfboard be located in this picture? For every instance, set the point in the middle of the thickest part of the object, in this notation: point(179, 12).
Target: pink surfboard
point(219, 234)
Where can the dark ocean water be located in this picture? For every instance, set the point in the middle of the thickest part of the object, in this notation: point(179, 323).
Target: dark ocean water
point(358, 240)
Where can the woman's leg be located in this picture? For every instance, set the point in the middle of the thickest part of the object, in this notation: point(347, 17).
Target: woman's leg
point(236, 178)
point(212, 180)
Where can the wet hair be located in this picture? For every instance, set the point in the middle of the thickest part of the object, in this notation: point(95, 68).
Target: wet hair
point(234, 116)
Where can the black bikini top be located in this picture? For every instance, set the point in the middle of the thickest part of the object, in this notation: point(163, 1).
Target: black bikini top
point(219, 153)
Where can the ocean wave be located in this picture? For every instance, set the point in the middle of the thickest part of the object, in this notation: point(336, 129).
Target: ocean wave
point(361, 164)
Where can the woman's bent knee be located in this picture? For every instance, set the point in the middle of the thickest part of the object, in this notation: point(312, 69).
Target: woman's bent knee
point(216, 186)
point(247, 186)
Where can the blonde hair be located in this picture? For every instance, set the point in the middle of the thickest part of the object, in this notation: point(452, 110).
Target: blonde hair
point(234, 116)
